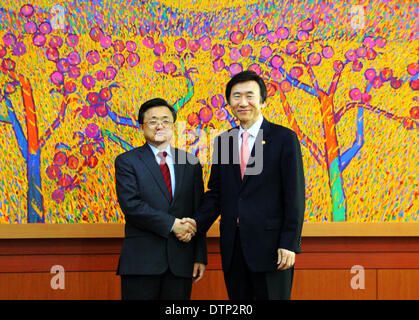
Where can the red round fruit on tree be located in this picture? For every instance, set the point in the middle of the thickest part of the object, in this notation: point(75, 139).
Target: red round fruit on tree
point(414, 112)
point(413, 69)
point(256, 68)
point(101, 110)
point(396, 83)
point(314, 59)
point(96, 34)
point(60, 158)
point(282, 33)
point(350, 55)
point(119, 45)
point(414, 84)
point(158, 66)
point(235, 68)
point(205, 114)
point(92, 98)
point(302, 35)
point(370, 74)
point(307, 25)
point(88, 112)
point(92, 161)
point(272, 37)
point(58, 196)
point(236, 37)
point(205, 43)
point(218, 65)
point(261, 28)
point(180, 45)
point(221, 114)
point(246, 50)
point(338, 66)
point(377, 83)
point(296, 72)
point(386, 74)
point(148, 42)
point(285, 86)
point(355, 94)
point(327, 52)
point(159, 49)
point(218, 50)
point(276, 74)
point(105, 94)
point(357, 66)
point(265, 52)
point(277, 62)
point(86, 150)
point(53, 172)
point(91, 130)
point(291, 48)
point(72, 162)
point(366, 98)
point(65, 180)
point(193, 119)
point(217, 100)
point(3, 52)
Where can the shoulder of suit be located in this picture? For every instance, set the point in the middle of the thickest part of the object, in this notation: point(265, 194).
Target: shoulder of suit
point(281, 130)
point(128, 154)
point(228, 132)
point(182, 154)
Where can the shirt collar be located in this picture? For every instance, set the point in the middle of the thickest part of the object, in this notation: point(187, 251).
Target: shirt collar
point(254, 129)
point(156, 151)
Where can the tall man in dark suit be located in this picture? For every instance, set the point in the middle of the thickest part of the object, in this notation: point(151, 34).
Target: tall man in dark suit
point(257, 185)
point(157, 185)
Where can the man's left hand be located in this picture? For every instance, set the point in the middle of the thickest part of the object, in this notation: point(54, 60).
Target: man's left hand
point(198, 271)
point(286, 259)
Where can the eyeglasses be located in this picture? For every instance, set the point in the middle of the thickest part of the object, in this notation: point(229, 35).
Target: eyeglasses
point(155, 123)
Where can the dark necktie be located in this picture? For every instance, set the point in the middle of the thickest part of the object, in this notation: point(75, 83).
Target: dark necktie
point(165, 171)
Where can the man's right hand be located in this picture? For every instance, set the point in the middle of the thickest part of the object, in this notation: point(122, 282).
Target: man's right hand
point(184, 229)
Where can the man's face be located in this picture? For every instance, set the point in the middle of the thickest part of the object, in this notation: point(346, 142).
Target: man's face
point(157, 133)
point(245, 102)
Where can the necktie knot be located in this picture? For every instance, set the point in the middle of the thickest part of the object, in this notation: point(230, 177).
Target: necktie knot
point(245, 136)
point(162, 155)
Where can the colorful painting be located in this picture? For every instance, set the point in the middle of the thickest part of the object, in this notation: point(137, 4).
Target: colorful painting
point(344, 75)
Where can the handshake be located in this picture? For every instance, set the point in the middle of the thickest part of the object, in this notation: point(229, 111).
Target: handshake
point(184, 229)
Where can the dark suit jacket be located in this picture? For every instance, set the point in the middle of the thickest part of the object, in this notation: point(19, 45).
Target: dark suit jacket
point(269, 205)
point(149, 247)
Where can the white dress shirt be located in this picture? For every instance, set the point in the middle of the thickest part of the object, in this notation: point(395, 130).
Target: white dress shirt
point(253, 131)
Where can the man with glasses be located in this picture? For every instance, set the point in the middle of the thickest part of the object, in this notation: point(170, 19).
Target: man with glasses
point(157, 187)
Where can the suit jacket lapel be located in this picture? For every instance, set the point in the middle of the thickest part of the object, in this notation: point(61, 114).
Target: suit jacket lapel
point(179, 170)
point(147, 156)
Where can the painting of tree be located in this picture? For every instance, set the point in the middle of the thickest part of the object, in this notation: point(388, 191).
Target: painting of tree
point(72, 77)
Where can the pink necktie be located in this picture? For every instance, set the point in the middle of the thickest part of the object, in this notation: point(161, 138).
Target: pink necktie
point(244, 152)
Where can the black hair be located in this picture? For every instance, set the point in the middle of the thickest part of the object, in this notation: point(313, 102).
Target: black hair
point(156, 102)
point(244, 76)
